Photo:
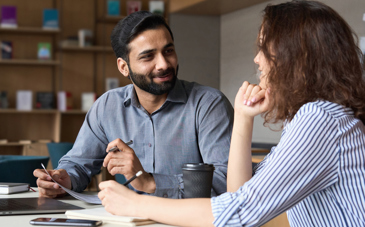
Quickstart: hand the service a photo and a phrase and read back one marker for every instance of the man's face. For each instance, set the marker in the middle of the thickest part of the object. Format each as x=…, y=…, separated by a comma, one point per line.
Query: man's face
x=153, y=61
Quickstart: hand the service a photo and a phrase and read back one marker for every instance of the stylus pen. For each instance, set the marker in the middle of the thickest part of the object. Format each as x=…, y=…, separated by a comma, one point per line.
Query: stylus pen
x=134, y=177
x=117, y=149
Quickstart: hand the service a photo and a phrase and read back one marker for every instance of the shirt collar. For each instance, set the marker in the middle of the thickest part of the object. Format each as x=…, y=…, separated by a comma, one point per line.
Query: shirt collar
x=177, y=94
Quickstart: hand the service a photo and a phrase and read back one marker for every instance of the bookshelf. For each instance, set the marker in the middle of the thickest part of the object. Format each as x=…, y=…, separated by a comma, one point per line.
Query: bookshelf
x=72, y=68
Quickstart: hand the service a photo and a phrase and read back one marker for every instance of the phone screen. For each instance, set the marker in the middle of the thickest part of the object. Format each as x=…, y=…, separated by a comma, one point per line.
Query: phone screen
x=64, y=222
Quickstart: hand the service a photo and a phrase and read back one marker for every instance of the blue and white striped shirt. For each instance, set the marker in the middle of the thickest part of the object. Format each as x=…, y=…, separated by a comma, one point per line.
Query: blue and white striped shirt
x=316, y=173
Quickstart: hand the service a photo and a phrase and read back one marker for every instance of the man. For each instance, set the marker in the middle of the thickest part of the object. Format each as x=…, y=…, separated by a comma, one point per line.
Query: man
x=171, y=122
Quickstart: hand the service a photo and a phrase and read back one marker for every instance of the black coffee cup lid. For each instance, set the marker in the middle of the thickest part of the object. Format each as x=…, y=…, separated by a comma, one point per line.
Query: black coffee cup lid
x=198, y=166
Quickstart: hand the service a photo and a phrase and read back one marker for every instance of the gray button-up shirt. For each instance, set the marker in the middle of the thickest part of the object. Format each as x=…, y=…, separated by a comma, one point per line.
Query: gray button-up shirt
x=193, y=125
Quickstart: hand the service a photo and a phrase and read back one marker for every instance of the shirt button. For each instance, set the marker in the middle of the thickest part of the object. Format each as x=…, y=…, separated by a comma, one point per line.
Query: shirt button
x=165, y=195
x=150, y=145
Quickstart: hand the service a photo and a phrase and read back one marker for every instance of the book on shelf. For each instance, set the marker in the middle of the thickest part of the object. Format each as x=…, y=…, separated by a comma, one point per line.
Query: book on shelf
x=3, y=141
x=25, y=141
x=71, y=41
x=44, y=100
x=6, y=50
x=85, y=37
x=133, y=6
x=4, y=104
x=113, y=8
x=50, y=19
x=44, y=141
x=64, y=101
x=101, y=214
x=111, y=83
x=24, y=100
x=8, y=17
x=87, y=100
x=44, y=51
x=9, y=188
x=157, y=7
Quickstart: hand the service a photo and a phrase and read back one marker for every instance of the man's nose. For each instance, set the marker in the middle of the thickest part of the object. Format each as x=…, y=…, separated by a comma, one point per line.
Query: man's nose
x=161, y=63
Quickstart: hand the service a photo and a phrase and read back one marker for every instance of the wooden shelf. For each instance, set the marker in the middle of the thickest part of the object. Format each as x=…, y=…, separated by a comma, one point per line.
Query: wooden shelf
x=31, y=30
x=12, y=144
x=73, y=112
x=36, y=111
x=210, y=7
x=110, y=19
x=88, y=48
x=40, y=111
x=29, y=62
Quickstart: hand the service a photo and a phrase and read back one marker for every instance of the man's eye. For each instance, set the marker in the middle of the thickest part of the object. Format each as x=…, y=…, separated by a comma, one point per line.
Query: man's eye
x=146, y=56
x=169, y=51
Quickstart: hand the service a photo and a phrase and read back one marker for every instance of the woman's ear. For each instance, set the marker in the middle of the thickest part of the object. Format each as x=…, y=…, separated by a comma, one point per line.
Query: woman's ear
x=123, y=67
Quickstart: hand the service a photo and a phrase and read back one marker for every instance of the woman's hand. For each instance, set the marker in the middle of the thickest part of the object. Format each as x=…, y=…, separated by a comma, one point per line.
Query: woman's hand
x=118, y=199
x=251, y=100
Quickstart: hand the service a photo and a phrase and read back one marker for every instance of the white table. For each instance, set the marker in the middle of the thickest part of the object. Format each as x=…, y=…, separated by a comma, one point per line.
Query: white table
x=23, y=220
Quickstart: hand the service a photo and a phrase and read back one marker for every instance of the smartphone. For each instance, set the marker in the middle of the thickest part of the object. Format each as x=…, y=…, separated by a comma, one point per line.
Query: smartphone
x=64, y=222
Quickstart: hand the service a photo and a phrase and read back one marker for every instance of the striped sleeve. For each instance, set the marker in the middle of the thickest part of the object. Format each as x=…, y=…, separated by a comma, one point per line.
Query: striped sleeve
x=305, y=161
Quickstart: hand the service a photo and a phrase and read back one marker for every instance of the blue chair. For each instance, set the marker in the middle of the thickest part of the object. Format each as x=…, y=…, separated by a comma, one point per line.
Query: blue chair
x=120, y=178
x=19, y=169
x=57, y=151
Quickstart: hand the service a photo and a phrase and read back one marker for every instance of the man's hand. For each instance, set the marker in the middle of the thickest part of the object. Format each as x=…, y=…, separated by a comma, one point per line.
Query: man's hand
x=47, y=188
x=127, y=163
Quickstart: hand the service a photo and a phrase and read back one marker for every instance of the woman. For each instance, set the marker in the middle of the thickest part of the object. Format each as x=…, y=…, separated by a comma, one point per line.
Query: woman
x=311, y=79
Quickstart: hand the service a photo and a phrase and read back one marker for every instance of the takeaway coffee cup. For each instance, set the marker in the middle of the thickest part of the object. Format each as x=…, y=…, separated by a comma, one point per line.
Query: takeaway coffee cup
x=197, y=180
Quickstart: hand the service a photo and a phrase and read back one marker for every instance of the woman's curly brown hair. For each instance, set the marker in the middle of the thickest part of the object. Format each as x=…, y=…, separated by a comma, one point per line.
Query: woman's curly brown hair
x=313, y=56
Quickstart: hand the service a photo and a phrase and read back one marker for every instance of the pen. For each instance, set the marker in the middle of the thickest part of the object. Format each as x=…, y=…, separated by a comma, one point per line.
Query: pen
x=134, y=177
x=117, y=149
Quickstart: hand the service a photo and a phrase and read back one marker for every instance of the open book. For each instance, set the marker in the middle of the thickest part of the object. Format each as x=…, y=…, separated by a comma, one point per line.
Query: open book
x=101, y=214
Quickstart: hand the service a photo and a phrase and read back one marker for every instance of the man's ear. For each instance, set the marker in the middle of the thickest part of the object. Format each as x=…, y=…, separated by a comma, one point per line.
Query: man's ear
x=123, y=67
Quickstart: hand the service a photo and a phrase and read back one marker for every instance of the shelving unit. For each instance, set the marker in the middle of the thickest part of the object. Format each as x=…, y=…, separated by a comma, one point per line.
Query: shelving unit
x=72, y=68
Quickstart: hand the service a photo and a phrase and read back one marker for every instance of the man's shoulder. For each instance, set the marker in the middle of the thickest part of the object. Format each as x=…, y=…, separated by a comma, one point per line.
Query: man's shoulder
x=120, y=93
x=196, y=89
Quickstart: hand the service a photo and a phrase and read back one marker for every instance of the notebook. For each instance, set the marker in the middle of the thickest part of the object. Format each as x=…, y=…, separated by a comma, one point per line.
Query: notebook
x=101, y=214
x=9, y=188
x=10, y=206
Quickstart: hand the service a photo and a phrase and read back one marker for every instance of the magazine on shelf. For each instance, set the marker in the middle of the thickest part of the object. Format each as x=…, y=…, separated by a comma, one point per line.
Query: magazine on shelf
x=6, y=50
x=157, y=7
x=44, y=51
x=50, y=19
x=24, y=100
x=133, y=6
x=8, y=17
x=44, y=100
x=64, y=100
x=113, y=8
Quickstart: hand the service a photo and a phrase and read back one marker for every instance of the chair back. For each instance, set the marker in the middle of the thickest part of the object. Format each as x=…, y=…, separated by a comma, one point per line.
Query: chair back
x=57, y=151
x=120, y=178
x=19, y=168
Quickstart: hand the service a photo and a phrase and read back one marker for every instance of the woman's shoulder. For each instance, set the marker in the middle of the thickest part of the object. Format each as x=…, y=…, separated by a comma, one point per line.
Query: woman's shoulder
x=322, y=108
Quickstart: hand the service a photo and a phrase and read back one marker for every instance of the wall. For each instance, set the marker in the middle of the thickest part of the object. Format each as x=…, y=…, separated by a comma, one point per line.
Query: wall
x=238, y=33
x=197, y=42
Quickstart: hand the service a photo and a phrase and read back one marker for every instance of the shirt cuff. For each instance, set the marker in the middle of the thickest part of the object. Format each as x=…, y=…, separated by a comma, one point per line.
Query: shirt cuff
x=168, y=186
x=224, y=208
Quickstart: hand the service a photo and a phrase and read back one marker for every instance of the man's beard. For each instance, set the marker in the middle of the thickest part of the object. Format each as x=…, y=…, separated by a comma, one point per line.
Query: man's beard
x=142, y=82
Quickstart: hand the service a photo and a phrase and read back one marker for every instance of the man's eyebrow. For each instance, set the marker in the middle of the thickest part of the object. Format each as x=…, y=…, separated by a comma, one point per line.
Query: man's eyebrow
x=168, y=45
x=147, y=52
x=153, y=50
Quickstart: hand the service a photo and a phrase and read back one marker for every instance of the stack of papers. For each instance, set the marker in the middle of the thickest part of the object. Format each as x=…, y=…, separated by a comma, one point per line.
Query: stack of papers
x=8, y=188
x=101, y=214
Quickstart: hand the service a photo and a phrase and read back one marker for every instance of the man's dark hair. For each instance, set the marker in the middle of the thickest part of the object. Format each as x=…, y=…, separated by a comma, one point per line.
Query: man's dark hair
x=130, y=27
